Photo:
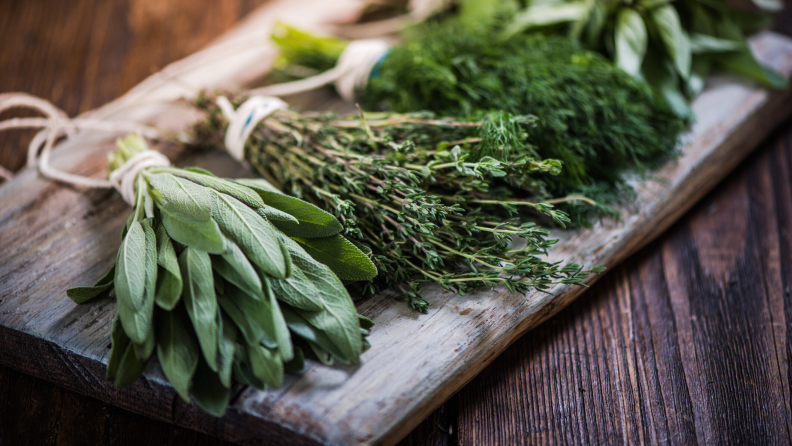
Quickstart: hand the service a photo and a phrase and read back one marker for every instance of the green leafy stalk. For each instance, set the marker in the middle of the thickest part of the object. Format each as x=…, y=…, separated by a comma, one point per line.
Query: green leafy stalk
x=204, y=278
x=433, y=200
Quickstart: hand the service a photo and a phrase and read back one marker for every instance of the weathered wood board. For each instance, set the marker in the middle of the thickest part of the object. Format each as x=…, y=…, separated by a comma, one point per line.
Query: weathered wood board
x=53, y=237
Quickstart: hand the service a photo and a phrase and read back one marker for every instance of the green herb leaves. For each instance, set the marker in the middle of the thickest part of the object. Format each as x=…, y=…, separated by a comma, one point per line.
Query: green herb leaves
x=194, y=283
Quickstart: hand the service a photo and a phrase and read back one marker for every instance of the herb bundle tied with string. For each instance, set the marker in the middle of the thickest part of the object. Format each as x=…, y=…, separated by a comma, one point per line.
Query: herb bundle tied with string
x=417, y=193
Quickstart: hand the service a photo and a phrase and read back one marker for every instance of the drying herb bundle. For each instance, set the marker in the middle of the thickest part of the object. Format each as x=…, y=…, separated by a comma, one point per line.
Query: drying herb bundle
x=593, y=117
x=226, y=281
x=672, y=45
x=417, y=193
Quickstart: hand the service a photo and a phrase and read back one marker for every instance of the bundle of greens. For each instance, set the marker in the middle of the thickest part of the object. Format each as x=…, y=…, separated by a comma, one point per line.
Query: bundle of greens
x=596, y=119
x=227, y=281
x=672, y=45
x=417, y=193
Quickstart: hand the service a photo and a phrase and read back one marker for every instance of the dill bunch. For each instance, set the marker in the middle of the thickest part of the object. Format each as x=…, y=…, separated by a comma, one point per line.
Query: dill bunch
x=409, y=193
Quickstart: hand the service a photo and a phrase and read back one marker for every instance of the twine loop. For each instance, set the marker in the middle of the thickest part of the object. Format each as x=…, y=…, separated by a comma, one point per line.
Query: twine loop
x=57, y=124
x=243, y=120
x=351, y=73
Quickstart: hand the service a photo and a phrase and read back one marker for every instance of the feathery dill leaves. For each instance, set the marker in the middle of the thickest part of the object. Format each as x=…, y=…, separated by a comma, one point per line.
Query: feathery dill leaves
x=409, y=187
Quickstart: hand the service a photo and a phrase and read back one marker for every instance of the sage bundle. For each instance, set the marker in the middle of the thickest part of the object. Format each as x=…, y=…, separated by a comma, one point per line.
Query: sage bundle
x=599, y=121
x=415, y=191
x=224, y=280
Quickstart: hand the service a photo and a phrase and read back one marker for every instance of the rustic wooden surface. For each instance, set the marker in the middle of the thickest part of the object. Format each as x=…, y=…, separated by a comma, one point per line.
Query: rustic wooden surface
x=598, y=353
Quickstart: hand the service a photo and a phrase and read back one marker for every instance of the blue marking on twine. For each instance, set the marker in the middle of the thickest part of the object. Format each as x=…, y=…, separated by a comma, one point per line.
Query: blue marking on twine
x=375, y=70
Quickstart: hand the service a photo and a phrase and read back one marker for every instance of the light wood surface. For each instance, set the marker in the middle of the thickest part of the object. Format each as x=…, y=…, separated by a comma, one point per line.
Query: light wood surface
x=55, y=237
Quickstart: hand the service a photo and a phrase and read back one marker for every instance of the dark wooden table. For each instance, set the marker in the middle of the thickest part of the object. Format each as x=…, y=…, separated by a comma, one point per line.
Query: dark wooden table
x=689, y=341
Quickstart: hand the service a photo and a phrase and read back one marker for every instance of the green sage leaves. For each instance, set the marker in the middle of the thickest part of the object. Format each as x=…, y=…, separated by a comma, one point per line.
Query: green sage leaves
x=203, y=280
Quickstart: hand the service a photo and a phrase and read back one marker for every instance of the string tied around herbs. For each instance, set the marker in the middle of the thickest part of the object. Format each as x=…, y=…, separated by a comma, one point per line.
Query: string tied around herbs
x=351, y=73
x=244, y=119
x=57, y=124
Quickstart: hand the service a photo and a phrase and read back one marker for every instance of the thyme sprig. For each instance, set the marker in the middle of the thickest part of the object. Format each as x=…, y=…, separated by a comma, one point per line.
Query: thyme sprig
x=420, y=193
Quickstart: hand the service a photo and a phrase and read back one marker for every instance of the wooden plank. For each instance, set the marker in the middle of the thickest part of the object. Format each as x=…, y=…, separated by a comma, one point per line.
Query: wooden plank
x=417, y=361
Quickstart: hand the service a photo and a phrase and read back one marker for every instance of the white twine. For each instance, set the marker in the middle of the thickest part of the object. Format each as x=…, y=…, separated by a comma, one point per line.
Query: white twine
x=58, y=124
x=123, y=178
x=350, y=74
x=243, y=120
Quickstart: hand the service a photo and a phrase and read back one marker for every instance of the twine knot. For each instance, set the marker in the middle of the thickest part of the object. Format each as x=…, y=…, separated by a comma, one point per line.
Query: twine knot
x=124, y=178
x=243, y=120
x=351, y=73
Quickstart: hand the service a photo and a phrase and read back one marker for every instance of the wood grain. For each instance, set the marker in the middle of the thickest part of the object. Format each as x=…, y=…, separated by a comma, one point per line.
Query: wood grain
x=79, y=357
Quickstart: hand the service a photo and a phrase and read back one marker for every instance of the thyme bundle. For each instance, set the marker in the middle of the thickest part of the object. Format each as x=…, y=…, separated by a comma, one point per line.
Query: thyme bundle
x=226, y=281
x=417, y=193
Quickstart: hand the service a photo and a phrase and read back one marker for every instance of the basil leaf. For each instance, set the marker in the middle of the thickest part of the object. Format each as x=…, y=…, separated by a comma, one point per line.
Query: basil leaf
x=183, y=196
x=282, y=335
x=266, y=365
x=253, y=317
x=169, y=281
x=702, y=44
x=743, y=62
x=225, y=347
x=698, y=73
x=204, y=235
x=177, y=350
x=313, y=222
x=674, y=38
x=208, y=391
x=254, y=235
x=341, y=256
x=82, y=294
x=199, y=298
x=234, y=267
x=227, y=187
x=631, y=41
x=544, y=15
x=662, y=78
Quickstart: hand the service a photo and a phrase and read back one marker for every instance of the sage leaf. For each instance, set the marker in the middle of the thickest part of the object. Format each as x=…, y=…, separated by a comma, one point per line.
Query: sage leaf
x=129, y=369
x=312, y=221
x=743, y=62
x=227, y=187
x=208, y=391
x=199, y=170
x=266, y=365
x=118, y=344
x=169, y=281
x=177, y=350
x=342, y=257
x=282, y=335
x=273, y=214
x=243, y=372
x=674, y=38
x=82, y=294
x=138, y=274
x=324, y=356
x=183, y=196
x=234, y=267
x=225, y=347
x=199, y=298
x=297, y=363
x=253, y=233
x=204, y=235
x=253, y=317
x=631, y=41
x=130, y=271
x=365, y=322
x=145, y=315
x=338, y=318
x=304, y=329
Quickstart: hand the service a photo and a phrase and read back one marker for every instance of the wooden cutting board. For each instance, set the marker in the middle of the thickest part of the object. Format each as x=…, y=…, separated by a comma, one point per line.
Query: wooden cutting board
x=53, y=237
